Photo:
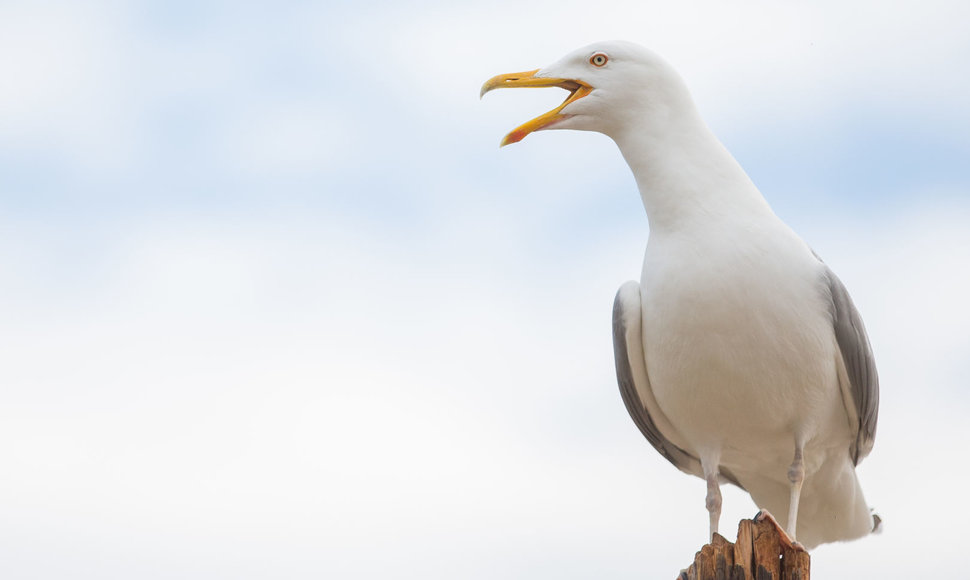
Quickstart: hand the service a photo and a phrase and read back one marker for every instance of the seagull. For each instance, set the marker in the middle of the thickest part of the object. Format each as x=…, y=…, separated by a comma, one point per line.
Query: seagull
x=739, y=354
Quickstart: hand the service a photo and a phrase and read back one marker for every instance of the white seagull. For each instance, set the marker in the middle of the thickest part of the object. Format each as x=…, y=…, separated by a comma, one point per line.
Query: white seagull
x=740, y=356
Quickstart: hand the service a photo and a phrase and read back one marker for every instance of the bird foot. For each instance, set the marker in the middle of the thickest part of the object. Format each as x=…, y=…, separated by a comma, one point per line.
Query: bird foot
x=783, y=537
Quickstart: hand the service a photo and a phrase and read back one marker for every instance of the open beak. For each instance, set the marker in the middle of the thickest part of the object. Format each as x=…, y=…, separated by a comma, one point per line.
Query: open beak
x=577, y=90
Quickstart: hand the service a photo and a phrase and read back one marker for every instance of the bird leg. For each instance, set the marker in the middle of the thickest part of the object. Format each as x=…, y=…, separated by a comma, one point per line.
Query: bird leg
x=713, y=500
x=796, y=475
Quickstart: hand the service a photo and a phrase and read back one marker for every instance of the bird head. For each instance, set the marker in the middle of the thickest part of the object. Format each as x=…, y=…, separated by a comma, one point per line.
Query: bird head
x=612, y=86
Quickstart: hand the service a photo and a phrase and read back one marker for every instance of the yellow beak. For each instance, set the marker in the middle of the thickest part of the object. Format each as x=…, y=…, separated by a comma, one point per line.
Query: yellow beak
x=577, y=90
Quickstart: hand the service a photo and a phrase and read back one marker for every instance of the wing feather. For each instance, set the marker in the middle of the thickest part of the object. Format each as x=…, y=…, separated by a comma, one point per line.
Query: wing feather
x=632, y=378
x=860, y=365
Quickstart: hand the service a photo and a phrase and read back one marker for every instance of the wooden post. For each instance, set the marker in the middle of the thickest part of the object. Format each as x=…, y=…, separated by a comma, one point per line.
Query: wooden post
x=762, y=552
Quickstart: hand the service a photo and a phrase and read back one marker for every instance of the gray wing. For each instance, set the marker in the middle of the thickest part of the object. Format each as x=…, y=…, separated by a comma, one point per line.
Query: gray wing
x=631, y=368
x=860, y=366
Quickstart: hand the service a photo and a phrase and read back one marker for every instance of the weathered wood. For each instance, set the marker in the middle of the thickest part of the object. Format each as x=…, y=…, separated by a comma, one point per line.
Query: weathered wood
x=723, y=557
x=795, y=564
x=743, y=550
x=704, y=562
x=761, y=552
x=767, y=551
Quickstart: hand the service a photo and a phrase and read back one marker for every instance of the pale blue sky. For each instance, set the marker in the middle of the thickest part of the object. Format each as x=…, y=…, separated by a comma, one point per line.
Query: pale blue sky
x=274, y=304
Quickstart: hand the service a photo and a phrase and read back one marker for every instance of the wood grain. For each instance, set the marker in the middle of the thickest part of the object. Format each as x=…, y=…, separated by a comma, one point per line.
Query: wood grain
x=761, y=552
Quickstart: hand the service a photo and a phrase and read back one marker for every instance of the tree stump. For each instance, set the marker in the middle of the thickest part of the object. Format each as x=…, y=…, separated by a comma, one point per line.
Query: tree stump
x=762, y=552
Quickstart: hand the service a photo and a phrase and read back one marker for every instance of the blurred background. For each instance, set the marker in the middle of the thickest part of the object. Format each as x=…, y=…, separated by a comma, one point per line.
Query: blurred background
x=273, y=304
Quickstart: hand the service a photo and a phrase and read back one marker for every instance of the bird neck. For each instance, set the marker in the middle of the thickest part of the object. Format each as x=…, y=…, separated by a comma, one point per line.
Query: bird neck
x=686, y=177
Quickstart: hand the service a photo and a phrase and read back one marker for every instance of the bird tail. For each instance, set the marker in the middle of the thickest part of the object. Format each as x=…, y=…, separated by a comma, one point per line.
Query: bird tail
x=832, y=507
x=876, y=523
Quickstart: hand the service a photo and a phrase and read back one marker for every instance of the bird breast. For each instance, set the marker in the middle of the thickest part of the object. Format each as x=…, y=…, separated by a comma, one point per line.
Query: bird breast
x=732, y=362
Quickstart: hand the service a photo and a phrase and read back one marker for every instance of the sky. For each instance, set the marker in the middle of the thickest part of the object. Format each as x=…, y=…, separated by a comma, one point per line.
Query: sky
x=274, y=304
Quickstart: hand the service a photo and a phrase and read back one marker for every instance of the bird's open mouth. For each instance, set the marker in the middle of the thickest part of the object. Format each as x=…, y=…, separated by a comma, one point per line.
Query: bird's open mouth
x=577, y=90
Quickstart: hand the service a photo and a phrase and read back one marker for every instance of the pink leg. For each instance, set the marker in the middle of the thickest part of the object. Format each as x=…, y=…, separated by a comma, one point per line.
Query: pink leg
x=796, y=475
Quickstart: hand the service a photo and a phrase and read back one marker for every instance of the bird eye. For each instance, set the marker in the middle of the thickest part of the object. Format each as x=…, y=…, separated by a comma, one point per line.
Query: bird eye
x=598, y=59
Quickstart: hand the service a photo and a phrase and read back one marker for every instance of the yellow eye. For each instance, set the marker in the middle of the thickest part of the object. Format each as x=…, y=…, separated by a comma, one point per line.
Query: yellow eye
x=598, y=59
